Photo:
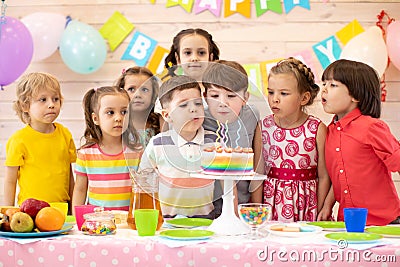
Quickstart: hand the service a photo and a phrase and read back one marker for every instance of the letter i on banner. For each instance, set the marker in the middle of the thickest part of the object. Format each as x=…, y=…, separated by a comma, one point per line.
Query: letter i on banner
x=139, y=49
x=254, y=73
x=327, y=51
x=238, y=6
x=156, y=63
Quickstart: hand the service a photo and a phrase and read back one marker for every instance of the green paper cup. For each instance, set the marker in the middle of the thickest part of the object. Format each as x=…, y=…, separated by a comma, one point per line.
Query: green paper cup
x=146, y=221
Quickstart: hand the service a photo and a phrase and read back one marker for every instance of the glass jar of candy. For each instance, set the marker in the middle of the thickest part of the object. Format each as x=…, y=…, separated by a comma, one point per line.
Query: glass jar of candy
x=99, y=223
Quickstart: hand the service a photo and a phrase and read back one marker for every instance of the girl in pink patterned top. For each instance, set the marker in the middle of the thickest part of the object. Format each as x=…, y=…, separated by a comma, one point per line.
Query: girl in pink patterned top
x=292, y=149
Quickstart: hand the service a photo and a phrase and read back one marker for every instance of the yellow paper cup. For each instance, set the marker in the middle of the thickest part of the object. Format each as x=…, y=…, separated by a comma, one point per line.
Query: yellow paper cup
x=62, y=206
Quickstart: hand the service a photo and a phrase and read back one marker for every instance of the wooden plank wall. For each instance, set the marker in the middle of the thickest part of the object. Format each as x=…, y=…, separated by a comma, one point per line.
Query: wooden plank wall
x=246, y=40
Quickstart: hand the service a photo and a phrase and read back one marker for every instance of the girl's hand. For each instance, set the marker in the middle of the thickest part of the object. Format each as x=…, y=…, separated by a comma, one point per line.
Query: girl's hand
x=325, y=214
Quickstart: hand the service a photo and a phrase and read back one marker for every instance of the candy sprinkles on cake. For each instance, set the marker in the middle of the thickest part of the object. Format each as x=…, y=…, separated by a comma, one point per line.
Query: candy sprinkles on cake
x=219, y=159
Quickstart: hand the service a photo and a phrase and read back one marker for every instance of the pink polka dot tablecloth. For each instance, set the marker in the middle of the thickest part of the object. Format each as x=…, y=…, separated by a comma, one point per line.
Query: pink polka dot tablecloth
x=127, y=249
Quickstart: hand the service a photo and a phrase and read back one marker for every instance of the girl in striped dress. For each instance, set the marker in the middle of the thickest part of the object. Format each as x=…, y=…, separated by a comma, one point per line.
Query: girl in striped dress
x=103, y=162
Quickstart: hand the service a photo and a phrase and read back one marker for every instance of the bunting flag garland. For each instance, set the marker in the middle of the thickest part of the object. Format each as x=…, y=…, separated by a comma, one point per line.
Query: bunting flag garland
x=242, y=7
x=156, y=64
x=306, y=57
x=327, y=51
x=349, y=31
x=116, y=29
x=214, y=6
x=185, y=4
x=144, y=50
x=290, y=4
x=265, y=67
x=237, y=6
x=140, y=49
x=254, y=73
x=263, y=6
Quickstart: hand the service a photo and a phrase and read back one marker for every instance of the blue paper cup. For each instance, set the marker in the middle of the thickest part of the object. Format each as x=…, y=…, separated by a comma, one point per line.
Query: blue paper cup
x=355, y=219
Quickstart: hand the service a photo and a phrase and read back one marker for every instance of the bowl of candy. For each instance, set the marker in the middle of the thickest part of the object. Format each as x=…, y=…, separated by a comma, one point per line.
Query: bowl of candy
x=254, y=215
x=99, y=223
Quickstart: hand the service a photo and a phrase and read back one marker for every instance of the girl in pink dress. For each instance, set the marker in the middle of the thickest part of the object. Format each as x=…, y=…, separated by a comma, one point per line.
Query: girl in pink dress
x=292, y=147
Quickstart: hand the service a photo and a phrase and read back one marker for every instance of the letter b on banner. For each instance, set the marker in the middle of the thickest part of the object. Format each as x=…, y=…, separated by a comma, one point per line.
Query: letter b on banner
x=139, y=49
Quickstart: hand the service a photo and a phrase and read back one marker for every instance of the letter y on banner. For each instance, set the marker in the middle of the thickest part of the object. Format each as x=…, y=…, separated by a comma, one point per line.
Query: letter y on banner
x=139, y=49
x=327, y=51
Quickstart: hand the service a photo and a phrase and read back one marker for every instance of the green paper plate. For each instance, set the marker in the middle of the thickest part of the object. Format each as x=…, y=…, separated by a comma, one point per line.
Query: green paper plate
x=186, y=234
x=189, y=222
x=354, y=237
x=386, y=231
x=329, y=225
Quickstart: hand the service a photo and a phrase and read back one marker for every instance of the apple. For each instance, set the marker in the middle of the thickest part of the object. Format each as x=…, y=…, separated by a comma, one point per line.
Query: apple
x=32, y=206
x=9, y=212
x=21, y=222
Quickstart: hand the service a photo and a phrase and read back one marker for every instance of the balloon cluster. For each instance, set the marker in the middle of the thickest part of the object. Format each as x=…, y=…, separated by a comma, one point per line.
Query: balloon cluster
x=38, y=35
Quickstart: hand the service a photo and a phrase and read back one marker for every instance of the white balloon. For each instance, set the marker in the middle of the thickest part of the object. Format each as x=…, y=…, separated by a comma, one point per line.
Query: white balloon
x=368, y=47
x=46, y=30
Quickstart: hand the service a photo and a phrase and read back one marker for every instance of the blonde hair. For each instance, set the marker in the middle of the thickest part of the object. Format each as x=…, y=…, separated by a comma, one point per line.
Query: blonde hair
x=302, y=73
x=29, y=86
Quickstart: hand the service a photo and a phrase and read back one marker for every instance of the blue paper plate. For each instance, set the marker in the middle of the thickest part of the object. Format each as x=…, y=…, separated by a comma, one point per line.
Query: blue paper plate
x=66, y=227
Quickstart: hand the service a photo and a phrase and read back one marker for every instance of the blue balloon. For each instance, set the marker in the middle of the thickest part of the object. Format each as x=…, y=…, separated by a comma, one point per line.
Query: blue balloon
x=82, y=48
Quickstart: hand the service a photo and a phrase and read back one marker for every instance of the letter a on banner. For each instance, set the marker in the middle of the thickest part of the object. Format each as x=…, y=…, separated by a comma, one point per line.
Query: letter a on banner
x=139, y=49
x=327, y=51
x=290, y=4
x=214, y=6
x=237, y=6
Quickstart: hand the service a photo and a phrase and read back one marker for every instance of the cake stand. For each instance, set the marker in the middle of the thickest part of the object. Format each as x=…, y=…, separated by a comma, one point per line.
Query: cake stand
x=228, y=223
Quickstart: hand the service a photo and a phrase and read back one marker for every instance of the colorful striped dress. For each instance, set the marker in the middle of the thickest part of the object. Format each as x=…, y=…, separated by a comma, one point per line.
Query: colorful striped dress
x=109, y=184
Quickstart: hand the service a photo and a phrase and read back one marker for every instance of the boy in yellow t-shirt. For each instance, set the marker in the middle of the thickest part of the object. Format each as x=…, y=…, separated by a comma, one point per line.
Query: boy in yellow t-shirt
x=39, y=156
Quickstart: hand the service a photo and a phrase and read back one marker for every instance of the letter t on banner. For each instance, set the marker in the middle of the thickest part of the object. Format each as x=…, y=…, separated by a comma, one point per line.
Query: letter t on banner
x=139, y=49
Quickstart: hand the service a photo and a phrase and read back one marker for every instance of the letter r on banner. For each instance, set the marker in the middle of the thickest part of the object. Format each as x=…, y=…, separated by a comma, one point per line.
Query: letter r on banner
x=139, y=49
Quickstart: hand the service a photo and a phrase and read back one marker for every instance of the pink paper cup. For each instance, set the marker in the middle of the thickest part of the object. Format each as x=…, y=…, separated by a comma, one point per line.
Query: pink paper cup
x=81, y=210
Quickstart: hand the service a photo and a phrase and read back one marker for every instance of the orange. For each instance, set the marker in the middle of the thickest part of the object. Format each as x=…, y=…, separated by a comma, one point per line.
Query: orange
x=49, y=219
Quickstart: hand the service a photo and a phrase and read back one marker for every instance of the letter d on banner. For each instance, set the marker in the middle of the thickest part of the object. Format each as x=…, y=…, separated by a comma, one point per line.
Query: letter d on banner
x=139, y=49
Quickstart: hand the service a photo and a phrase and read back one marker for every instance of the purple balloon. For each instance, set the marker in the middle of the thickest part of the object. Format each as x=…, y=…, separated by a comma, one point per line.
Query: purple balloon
x=16, y=50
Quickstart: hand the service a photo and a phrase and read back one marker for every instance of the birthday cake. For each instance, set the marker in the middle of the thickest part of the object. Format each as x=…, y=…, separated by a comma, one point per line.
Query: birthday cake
x=227, y=161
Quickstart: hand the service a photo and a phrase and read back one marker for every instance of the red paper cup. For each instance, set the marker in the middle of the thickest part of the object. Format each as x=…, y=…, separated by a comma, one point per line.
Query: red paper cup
x=81, y=210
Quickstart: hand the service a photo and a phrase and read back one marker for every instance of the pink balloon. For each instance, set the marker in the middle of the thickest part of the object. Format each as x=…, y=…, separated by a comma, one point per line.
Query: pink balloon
x=393, y=43
x=16, y=50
